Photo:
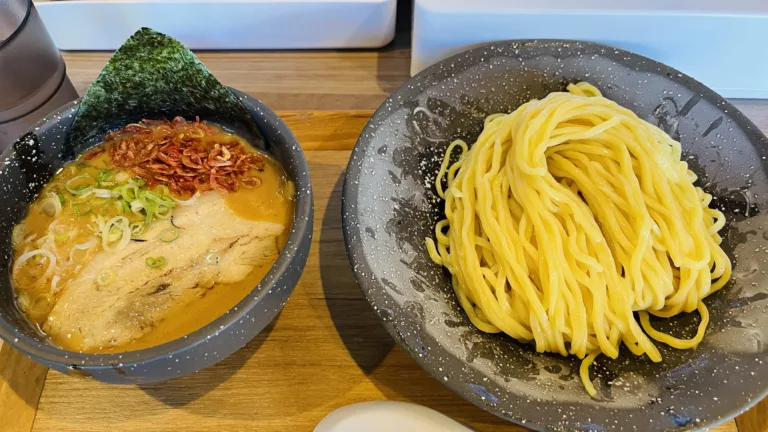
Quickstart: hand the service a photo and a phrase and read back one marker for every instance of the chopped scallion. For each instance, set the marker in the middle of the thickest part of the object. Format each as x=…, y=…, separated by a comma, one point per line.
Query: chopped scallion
x=169, y=235
x=77, y=187
x=163, y=212
x=156, y=262
x=137, y=228
x=163, y=190
x=82, y=209
x=102, y=176
x=105, y=277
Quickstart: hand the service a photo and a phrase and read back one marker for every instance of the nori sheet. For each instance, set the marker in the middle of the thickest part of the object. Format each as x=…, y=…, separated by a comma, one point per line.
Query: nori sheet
x=150, y=76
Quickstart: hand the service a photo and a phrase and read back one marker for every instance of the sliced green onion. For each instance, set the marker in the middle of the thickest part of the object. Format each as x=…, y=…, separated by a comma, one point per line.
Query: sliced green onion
x=139, y=181
x=122, y=177
x=129, y=192
x=17, y=235
x=137, y=228
x=151, y=196
x=60, y=233
x=163, y=212
x=136, y=207
x=51, y=206
x=79, y=189
x=156, y=262
x=103, y=176
x=98, y=202
x=82, y=209
x=115, y=233
x=103, y=193
x=169, y=235
x=121, y=223
x=105, y=277
x=62, y=197
x=33, y=254
x=150, y=209
x=163, y=190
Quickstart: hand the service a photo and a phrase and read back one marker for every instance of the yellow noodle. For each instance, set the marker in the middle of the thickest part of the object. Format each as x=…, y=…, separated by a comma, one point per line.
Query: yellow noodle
x=569, y=215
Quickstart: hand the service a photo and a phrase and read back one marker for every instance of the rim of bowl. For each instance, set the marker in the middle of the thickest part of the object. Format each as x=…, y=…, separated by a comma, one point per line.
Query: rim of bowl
x=351, y=223
x=129, y=359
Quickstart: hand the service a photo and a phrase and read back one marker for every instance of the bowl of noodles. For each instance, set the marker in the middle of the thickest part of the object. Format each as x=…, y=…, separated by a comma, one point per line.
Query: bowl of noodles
x=569, y=236
x=153, y=227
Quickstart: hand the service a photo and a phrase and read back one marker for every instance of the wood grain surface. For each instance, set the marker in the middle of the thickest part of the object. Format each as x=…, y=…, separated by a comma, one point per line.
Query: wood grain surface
x=21, y=382
x=326, y=349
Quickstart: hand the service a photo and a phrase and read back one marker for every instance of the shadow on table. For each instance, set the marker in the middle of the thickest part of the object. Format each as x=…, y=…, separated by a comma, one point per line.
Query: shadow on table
x=181, y=391
x=396, y=375
x=358, y=326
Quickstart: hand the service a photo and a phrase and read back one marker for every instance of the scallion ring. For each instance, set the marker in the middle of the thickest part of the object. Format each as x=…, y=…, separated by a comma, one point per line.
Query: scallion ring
x=61, y=233
x=150, y=209
x=155, y=262
x=82, y=209
x=17, y=235
x=151, y=196
x=105, y=277
x=163, y=212
x=137, y=207
x=163, y=190
x=103, y=176
x=121, y=223
x=51, y=206
x=169, y=235
x=122, y=177
x=129, y=192
x=79, y=189
x=137, y=228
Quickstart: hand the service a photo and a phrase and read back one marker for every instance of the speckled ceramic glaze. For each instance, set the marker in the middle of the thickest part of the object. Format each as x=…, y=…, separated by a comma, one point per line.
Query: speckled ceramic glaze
x=25, y=170
x=390, y=207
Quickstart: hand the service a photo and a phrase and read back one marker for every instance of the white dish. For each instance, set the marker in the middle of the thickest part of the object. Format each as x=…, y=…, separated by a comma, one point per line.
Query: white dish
x=384, y=416
x=227, y=24
x=719, y=43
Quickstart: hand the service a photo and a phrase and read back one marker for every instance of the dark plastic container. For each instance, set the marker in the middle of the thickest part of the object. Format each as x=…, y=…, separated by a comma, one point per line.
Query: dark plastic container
x=33, y=79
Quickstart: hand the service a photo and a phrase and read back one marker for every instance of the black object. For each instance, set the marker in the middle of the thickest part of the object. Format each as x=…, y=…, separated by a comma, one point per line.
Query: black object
x=390, y=206
x=28, y=166
x=33, y=80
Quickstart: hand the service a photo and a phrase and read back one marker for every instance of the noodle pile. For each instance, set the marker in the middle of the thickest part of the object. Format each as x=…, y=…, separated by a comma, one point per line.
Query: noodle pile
x=569, y=215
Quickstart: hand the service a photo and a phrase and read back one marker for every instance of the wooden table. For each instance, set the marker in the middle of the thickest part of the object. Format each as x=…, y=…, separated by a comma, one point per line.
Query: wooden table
x=327, y=348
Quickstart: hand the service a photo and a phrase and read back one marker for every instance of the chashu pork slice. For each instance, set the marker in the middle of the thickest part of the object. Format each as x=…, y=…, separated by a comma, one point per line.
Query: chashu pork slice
x=214, y=246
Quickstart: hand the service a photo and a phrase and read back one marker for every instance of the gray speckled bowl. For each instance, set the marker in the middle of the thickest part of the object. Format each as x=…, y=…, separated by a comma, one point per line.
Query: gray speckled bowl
x=390, y=207
x=23, y=172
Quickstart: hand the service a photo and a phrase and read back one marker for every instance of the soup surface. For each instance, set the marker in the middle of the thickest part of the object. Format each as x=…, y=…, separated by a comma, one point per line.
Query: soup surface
x=150, y=236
